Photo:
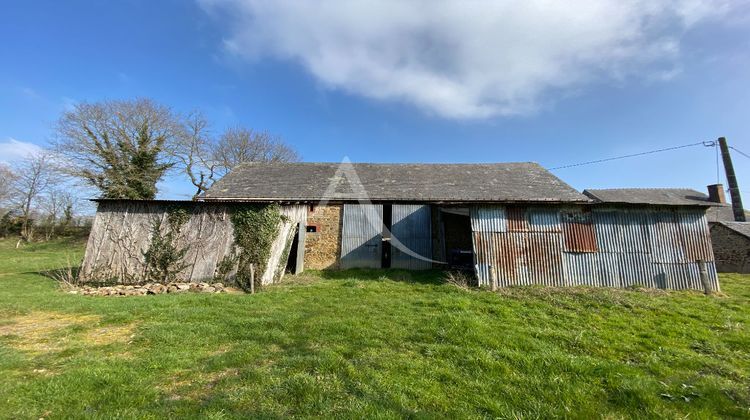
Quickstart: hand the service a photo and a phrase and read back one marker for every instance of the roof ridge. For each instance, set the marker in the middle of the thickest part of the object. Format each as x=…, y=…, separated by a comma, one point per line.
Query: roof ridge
x=645, y=188
x=391, y=163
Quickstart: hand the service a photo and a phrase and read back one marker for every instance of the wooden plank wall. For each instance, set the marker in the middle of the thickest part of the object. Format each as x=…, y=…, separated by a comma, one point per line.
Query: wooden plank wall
x=121, y=234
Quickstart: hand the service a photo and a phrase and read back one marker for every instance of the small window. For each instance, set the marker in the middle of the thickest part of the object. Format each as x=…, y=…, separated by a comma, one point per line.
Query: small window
x=578, y=232
x=311, y=228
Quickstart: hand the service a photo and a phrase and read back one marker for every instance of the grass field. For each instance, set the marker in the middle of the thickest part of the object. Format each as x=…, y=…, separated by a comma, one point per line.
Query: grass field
x=368, y=343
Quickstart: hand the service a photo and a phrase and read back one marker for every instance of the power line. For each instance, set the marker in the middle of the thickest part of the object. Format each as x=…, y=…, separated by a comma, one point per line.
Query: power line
x=740, y=152
x=704, y=143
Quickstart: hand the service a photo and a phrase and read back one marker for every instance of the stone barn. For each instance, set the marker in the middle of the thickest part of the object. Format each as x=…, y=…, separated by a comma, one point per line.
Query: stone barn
x=731, y=242
x=510, y=223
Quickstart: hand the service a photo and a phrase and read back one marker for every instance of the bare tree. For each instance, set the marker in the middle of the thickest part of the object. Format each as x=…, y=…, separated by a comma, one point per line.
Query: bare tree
x=57, y=205
x=238, y=145
x=35, y=176
x=6, y=184
x=194, y=151
x=205, y=159
x=118, y=147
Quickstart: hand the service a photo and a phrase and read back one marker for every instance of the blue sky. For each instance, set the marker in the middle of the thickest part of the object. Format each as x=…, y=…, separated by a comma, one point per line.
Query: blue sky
x=401, y=82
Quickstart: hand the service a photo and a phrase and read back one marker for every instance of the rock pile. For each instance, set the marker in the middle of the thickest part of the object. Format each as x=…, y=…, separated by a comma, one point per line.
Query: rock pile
x=149, y=289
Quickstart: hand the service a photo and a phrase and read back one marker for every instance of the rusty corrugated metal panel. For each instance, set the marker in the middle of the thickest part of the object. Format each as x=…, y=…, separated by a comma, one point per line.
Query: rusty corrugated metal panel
x=696, y=236
x=516, y=219
x=411, y=227
x=494, y=249
x=578, y=232
x=488, y=219
x=519, y=258
x=630, y=247
x=361, y=235
x=544, y=258
x=482, y=258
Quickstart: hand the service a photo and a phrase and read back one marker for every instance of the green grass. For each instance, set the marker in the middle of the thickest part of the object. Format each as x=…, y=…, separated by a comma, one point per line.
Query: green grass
x=368, y=343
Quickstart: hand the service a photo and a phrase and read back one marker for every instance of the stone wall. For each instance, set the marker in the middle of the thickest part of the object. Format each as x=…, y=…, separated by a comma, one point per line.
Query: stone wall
x=731, y=250
x=323, y=247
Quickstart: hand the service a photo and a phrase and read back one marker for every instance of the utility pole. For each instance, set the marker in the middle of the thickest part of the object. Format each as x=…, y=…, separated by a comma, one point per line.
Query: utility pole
x=734, y=189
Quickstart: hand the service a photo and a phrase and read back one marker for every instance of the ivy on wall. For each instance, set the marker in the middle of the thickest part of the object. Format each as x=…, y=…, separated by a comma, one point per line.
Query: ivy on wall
x=256, y=226
x=164, y=258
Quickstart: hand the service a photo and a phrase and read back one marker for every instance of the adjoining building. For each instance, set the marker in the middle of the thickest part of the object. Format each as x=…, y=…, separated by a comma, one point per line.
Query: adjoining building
x=512, y=223
x=731, y=242
x=730, y=239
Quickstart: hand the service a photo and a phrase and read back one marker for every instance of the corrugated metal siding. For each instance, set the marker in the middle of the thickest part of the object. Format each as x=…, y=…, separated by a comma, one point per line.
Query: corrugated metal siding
x=361, y=236
x=666, y=238
x=519, y=258
x=578, y=232
x=695, y=236
x=544, y=220
x=581, y=269
x=411, y=227
x=631, y=247
x=488, y=219
x=517, y=219
x=622, y=231
x=636, y=269
x=609, y=269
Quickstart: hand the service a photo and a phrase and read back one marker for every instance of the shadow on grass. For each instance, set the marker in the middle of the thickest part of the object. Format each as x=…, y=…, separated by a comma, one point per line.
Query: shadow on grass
x=423, y=277
x=67, y=274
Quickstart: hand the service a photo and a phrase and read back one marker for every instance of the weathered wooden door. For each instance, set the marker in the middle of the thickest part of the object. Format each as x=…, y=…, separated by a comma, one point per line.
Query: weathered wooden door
x=411, y=243
x=362, y=236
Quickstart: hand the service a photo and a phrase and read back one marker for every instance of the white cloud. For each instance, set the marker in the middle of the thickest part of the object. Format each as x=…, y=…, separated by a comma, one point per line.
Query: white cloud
x=462, y=59
x=13, y=150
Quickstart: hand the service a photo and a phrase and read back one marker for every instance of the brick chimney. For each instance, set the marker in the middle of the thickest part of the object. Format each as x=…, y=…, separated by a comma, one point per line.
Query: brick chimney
x=716, y=193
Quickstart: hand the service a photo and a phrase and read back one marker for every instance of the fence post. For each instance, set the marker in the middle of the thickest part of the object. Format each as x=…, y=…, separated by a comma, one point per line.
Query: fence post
x=703, y=269
x=493, y=282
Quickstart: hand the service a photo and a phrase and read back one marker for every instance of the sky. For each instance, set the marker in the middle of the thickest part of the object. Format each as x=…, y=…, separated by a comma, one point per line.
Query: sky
x=393, y=81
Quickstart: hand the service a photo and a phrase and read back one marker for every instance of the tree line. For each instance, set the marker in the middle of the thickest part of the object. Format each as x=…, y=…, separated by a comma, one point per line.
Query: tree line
x=122, y=149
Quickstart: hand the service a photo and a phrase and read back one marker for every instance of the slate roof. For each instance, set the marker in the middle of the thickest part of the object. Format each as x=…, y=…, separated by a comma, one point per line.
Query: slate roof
x=652, y=196
x=723, y=214
x=491, y=182
x=743, y=228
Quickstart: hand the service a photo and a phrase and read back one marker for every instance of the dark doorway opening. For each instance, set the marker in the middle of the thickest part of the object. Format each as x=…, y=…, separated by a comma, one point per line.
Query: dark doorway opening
x=385, y=260
x=291, y=262
x=457, y=230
